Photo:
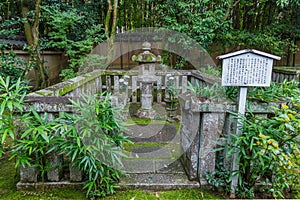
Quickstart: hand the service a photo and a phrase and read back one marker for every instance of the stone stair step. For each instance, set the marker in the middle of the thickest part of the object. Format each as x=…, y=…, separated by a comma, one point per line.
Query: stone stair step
x=157, y=181
x=146, y=166
x=152, y=133
x=151, y=152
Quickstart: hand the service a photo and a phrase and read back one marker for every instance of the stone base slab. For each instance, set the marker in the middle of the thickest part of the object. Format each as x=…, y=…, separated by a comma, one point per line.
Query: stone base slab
x=157, y=182
x=50, y=185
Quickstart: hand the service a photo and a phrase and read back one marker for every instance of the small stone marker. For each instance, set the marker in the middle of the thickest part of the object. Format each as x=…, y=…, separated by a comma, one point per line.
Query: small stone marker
x=245, y=68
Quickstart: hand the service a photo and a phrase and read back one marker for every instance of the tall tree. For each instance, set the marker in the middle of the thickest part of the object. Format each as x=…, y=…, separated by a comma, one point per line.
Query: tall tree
x=32, y=37
x=110, y=26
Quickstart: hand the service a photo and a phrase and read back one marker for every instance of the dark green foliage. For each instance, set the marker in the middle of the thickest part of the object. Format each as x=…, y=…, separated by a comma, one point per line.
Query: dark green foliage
x=11, y=100
x=74, y=30
x=11, y=66
x=220, y=178
x=268, y=151
x=90, y=138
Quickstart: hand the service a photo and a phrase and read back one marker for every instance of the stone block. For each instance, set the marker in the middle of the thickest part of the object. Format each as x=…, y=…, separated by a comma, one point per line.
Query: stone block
x=55, y=171
x=28, y=174
x=209, y=134
x=75, y=174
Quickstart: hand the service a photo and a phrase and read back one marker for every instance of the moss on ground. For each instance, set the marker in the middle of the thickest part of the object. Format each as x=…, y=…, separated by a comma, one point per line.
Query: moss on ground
x=135, y=120
x=184, y=194
x=129, y=146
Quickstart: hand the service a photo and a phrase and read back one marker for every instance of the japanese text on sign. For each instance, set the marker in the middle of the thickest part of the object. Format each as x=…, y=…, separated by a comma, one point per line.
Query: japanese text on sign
x=247, y=70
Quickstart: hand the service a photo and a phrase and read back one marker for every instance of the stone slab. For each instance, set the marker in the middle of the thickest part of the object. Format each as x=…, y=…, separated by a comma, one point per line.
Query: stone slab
x=50, y=185
x=157, y=182
x=152, y=132
x=55, y=172
x=169, y=166
x=28, y=174
x=75, y=174
x=138, y=166
x=150, y=152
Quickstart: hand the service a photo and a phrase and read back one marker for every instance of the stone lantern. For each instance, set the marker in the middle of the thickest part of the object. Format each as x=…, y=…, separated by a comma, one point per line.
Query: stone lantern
x=147, y=61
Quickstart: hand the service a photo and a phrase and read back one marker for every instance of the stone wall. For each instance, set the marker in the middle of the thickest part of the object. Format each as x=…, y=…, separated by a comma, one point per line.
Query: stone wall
x=53, y=60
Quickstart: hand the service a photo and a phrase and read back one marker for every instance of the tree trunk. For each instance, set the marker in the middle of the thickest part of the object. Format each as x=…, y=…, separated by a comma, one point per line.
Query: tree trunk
x=110, y=27
x=32, y=37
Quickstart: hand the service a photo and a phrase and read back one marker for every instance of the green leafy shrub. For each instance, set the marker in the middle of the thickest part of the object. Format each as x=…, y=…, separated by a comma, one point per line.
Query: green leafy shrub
x=276, y=92
x=92, y=139
x=214, y=93
x=12, y=66
x=12, y=95
x=35, y=137
x=66, y=32
x=268, y=150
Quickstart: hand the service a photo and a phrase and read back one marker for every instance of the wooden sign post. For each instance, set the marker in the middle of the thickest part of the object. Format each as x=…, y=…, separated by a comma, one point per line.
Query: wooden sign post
x=245, y=68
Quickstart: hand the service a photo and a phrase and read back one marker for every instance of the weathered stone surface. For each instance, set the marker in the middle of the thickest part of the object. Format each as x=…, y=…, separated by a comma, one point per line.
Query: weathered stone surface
x=55, y=171
x=157, y=182
x=229, y=127
x=210, y=131
x=166, y=167
x=28, y=174
x=202, y=125
x=139, y=166
x=153, y=133
x=151, y=152
x=49, y=185
x=75, y=174
x=189, y=137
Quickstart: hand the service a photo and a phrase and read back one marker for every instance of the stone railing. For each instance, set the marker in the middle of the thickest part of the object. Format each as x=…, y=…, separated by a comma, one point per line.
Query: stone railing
x=280, y=74
x=202, y=125
x=117, y=80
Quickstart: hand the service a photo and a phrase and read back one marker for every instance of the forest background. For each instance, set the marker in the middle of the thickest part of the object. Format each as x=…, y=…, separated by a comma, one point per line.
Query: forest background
x=76, y=26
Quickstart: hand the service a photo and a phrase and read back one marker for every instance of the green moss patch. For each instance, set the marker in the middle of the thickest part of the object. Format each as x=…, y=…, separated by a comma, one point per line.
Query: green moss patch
x=129, y=146
x=183, y=194
x=135, y=120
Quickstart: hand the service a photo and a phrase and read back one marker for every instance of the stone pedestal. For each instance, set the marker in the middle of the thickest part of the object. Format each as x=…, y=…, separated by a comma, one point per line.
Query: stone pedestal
x=146, y=111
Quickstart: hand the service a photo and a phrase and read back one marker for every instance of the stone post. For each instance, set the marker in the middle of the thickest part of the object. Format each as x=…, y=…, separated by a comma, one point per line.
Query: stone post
x=55, y=171
x=55, y=161
x=209, y=132
x=189, y=137
x=202, y=125
x=147, y=97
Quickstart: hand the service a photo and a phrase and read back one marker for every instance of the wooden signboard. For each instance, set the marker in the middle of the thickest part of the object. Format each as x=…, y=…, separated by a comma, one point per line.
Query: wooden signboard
x=245, y=68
